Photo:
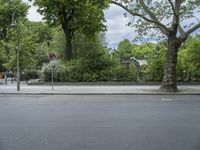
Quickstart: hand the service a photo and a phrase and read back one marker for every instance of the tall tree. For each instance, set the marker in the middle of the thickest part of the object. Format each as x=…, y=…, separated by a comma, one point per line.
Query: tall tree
x=176, y=19
x=189, y=57
x=72, y=15
x=34, y=48
x=7, y=9
x=124, y=49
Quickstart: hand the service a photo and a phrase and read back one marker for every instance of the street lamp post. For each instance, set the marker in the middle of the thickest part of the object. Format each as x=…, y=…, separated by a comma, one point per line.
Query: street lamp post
x=15, y=24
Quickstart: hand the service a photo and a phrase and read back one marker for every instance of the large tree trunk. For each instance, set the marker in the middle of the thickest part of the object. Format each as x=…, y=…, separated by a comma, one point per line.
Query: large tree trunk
x=68, y=47
x=169, y=79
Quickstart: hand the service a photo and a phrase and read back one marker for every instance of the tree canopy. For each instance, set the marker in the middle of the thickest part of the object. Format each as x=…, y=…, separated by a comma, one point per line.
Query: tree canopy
x=72, y=15
x=8, y=8
x=165, y=16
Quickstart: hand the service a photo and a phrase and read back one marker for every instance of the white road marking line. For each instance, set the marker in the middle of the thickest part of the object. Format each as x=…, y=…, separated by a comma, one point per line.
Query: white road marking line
x=166, y=99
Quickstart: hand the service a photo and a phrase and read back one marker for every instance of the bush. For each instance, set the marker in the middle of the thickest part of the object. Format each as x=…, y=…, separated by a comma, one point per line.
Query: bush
x=59, y=71
x=30, y=74
x=121, y=73
x=88, y=71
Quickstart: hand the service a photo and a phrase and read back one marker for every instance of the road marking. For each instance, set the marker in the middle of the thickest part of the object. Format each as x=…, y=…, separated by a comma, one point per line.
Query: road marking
x=166, y=99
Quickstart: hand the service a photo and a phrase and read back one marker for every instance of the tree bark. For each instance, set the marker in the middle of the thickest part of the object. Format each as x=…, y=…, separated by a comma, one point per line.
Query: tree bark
x=169, y=79
x=68, y=47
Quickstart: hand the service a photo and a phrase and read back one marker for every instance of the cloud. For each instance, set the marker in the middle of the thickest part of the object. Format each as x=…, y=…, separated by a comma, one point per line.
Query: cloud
x=33, y=15
x=117, y=28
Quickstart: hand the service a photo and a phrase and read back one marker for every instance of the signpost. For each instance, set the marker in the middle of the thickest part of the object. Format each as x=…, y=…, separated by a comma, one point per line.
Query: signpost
x=52, y=58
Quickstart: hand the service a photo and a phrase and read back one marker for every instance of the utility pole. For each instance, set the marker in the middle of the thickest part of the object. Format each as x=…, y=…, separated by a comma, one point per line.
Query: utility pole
x=15, y=24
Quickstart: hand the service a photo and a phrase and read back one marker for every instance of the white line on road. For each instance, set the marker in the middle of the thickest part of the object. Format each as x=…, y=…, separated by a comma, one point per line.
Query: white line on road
x=166, y=99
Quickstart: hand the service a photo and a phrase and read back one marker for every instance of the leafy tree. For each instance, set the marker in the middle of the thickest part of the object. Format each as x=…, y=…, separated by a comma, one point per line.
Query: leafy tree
x=85, y=16
x=124, y=48
x=26, y=48
x=92, y=62
x=7, y=9
x=151, y=52
x=169, y=18
x=155, y=57
x=34, y=47
x=40, y=36
x=2, y=57
x=40, y=32
x=188, y=61
x=58, y=44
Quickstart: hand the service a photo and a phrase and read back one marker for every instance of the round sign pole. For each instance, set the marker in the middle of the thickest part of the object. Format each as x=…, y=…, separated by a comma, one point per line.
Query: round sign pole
x=52, y=58
x=52, y=78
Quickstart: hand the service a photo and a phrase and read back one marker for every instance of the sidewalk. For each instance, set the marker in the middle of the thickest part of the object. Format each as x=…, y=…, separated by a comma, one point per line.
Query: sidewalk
x=96, y=90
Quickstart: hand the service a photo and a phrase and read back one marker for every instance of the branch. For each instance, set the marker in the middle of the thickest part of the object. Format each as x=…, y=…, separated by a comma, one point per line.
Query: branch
x=176, y=18
x=163, y=17
x=182, y=32
x=148, y=11
x=150, y=27
x=162, y=27
x=173, y=8
x=197, y=18
x=193, y=29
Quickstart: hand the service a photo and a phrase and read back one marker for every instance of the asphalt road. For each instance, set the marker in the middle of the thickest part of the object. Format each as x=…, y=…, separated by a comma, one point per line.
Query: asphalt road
x=100, y=122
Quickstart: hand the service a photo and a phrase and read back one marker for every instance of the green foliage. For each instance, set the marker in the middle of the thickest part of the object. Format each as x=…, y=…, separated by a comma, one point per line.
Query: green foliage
x=29, y=74
x=157, y=18
x=154, y=70
x=150, y=52
x=92, y=62
x=58, y=69
x=2, y=57
x=58, y=44
x=40, y=32
x=122, y=73
x=124, y=48
x=95, y=63
x=26, y=47
x=33, y=47
x=85, y=16
x=188, y=62
x=7, y=9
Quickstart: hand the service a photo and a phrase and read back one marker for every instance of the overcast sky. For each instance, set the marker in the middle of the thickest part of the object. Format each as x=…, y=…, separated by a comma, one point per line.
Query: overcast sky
x=116, y=24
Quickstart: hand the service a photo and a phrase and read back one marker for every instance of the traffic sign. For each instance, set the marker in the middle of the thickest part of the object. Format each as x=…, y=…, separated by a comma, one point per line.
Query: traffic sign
x=52, y=56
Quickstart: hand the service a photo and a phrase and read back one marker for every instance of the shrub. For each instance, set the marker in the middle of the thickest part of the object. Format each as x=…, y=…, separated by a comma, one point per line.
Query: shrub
x=58, y=68
x=30, y=74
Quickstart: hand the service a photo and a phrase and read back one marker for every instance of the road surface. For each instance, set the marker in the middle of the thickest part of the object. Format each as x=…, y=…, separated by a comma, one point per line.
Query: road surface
x=99, y=122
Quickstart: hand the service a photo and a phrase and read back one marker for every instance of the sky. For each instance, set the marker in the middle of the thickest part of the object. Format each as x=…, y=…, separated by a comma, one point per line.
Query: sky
x=115, y=22
x=117, y=28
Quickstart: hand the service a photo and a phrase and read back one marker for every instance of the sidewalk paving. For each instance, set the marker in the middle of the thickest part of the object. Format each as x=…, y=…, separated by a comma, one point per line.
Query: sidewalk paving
x=96, y=90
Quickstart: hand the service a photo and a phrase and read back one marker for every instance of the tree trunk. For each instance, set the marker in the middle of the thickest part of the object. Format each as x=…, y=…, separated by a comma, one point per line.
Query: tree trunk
x=169, y=79
x=68, y=47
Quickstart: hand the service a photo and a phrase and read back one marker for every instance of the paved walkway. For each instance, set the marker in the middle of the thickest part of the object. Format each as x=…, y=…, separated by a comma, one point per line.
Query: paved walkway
x=94, y=89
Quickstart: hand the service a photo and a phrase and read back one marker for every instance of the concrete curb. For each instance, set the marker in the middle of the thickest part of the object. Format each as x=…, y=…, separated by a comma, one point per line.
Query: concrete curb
x=107, y=83
x=160, y=93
